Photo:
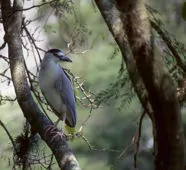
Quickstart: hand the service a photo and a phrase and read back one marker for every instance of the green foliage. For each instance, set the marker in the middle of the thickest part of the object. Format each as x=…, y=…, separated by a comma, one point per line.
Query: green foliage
x=121, y=89
x=184, y=11
x=172, y=51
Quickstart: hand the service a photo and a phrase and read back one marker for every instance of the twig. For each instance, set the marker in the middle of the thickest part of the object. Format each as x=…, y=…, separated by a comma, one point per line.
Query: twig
x=36, y=6
x=6, y=98
x=9, y=135
x=3, y=45
x=3, y=75
x=4, y=58
x=51, y=160
x=122, y=154
x=86, y=120
x=86, y=96
x=31, y=39
x=80, y=86
x=138, y=139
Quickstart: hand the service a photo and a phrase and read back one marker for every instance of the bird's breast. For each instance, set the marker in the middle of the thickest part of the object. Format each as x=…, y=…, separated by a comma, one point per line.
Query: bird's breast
x=47, y=78
x=54, y=99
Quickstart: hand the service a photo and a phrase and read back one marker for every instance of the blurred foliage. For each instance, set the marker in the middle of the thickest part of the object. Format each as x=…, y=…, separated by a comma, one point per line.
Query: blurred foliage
x=78, y=28
x=184, y=11
x=163, y=41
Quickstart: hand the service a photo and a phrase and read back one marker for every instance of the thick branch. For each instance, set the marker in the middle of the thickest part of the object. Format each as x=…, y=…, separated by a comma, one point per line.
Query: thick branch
x=39, y=122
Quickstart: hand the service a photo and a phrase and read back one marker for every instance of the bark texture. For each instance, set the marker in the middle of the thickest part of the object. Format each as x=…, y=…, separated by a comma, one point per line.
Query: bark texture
x=166, y=116
x=12, y=21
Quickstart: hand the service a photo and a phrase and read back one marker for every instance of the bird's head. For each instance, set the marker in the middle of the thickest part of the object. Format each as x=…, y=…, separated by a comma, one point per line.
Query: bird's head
x=57, y=55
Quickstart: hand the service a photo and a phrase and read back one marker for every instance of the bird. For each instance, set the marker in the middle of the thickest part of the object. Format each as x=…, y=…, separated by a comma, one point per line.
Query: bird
x=57, y=88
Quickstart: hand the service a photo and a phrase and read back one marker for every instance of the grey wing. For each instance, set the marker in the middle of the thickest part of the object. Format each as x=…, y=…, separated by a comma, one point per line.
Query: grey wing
x=64, y=88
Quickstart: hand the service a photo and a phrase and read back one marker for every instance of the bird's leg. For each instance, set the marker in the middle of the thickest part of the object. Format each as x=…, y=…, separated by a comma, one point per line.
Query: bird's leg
x=63, y=118
x=63, y=123
x=56, y=123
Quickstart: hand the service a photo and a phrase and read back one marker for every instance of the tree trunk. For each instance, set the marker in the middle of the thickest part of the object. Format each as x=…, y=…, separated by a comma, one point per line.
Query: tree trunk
x=168, y=136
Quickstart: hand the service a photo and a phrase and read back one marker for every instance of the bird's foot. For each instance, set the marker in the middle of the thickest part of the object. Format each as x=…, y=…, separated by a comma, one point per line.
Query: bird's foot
x=74, y=135
x=52, y=129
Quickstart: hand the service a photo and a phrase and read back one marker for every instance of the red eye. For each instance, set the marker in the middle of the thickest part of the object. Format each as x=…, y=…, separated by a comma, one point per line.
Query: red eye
x=56, y=55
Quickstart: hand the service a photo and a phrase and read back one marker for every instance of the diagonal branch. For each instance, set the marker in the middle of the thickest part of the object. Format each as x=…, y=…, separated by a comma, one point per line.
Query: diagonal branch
x=37, y=6
x=138, y=139
x=9, y=135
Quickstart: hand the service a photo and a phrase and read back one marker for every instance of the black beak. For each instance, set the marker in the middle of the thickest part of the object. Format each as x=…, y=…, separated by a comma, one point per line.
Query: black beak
x=64, y=58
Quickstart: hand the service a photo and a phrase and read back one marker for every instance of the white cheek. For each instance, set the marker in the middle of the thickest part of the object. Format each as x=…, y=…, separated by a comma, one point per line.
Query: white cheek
x=60, y=53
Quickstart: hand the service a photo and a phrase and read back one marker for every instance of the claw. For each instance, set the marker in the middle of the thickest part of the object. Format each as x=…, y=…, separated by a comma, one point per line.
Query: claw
x=52, y=129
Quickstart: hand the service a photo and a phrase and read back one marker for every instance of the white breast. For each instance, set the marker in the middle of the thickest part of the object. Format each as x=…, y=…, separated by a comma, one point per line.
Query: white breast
x=47, y=77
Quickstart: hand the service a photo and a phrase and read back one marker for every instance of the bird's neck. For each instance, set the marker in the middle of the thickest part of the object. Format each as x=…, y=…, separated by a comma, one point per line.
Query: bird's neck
x=47, y=60
x=51, y=67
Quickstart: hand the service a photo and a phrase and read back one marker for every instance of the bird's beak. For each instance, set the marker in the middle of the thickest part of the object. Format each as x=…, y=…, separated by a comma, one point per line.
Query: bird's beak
x=64, y=58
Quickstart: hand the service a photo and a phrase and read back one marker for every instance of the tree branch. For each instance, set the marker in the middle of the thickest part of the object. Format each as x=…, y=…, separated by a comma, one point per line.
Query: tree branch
x=3, y=45
x=137, y=141
x=37, y=6
x=9, y=135
x=12, y=26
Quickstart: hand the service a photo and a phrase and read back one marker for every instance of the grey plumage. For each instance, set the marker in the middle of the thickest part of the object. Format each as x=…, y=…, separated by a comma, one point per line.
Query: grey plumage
x=57, y=88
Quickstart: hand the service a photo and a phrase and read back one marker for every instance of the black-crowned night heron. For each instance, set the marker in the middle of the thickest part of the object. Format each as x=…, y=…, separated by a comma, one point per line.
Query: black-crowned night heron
x=57, y=88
